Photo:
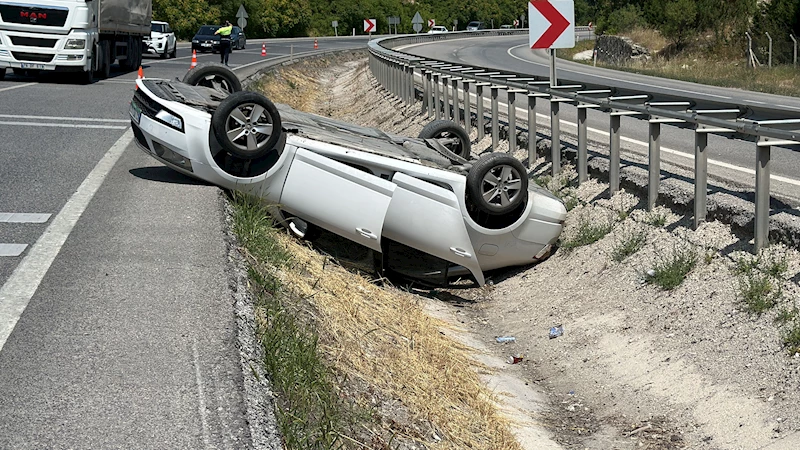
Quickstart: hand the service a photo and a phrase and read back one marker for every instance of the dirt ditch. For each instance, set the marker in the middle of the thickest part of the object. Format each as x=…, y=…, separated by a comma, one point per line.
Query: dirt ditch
x=637, y=365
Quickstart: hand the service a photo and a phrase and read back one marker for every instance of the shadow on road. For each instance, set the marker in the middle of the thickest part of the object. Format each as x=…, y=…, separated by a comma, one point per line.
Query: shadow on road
x=165, y=175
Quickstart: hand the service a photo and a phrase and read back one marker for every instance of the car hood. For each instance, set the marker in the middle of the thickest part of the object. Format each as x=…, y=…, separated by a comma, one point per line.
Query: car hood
x=157, y=35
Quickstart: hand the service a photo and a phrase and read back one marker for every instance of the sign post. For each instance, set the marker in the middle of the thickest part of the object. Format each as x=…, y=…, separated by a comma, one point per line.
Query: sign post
x=552, y=26
x=369, y=26
x=335, y=25
x=416, y=22
x=242, y=15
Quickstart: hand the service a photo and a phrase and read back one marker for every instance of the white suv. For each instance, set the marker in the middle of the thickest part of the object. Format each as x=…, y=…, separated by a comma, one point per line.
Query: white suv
x=161, y=41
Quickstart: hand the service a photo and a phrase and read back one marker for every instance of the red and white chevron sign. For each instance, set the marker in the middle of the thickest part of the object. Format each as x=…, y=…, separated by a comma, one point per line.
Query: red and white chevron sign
x=552, y=23
x=431, y=23
x=369, y=25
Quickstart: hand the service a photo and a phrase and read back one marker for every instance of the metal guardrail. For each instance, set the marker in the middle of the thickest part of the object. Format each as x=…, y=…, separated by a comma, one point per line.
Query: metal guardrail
x=764, y=126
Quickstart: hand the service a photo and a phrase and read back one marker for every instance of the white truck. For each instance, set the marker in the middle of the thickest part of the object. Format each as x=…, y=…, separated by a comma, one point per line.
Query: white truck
x=82, y=37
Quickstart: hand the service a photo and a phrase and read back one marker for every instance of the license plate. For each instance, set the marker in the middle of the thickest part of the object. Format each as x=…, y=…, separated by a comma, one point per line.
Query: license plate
x=31, y=66
x=136, y=113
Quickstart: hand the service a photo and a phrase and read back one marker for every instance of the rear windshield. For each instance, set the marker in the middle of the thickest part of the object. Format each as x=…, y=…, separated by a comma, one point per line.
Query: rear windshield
x=207, y=29
x=158, y=27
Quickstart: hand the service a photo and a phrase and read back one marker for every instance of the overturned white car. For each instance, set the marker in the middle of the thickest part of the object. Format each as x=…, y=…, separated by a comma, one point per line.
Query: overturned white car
x=430, y=212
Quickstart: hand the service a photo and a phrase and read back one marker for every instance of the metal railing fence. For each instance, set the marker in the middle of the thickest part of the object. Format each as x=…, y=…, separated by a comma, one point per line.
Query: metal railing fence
x=443, y=85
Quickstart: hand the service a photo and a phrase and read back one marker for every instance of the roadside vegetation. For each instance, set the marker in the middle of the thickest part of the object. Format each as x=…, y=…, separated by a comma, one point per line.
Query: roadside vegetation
x=355, y=364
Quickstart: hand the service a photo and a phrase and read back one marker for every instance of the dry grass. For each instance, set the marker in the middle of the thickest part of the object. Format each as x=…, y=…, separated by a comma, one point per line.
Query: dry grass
x=649, y=38
x=291, y=86
x=383, y=337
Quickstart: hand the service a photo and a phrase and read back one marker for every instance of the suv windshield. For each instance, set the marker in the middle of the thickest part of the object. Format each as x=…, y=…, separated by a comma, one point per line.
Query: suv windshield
x=207, y=30
x=158, y=28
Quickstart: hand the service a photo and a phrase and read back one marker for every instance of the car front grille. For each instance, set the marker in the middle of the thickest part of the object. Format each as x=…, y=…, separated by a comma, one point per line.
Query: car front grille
x=137, y=133
x=148, y=106
x=35, y=57
x=33, y=42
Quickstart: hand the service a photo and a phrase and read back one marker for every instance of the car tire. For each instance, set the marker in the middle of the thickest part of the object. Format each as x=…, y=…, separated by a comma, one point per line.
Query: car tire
x=260, y=132
x=174, y=53
x=215, y=76
x=497, y=184
x=450, y=134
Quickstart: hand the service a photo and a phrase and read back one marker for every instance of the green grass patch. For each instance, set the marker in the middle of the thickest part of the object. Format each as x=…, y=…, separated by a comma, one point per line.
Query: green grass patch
x=791, y=338
x=786, y=315
x=587, y=232
x=671, y=269
x=309, y=413
x=656, y=218
x=758, y=292
x=629, y=244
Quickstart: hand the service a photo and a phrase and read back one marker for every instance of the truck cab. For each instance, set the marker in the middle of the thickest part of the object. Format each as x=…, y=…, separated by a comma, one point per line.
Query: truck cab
x=78, y=36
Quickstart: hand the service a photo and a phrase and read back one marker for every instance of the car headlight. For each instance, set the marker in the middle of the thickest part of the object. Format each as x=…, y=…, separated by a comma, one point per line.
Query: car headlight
x=75, y=44
x=170, y=119
x=195, y=41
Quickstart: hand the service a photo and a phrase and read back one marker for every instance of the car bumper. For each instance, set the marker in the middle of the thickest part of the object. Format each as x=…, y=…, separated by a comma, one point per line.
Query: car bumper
x=156, y=47
x=42, y=51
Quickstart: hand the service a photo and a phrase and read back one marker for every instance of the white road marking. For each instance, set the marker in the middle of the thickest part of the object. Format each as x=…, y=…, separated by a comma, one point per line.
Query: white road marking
x=76, y=119
x=23, y=218
x=24, y=281
x=19, y=86
x=65, y=125
x=12, y=250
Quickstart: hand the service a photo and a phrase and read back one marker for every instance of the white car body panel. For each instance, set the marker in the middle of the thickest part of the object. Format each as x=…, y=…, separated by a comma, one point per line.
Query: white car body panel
x=337, y=197
x=425, y=216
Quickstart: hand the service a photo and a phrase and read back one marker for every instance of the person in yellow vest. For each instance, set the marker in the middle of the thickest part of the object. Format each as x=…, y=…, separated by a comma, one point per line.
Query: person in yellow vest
x=224, y=42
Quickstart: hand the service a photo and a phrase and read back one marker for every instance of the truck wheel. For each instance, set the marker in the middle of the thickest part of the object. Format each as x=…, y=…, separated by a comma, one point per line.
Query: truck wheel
x=104, y=70
x=497, y=184
x=215, y=76
x=2, y=73
x=449, y=134
x=247, y=124
x=86, y=77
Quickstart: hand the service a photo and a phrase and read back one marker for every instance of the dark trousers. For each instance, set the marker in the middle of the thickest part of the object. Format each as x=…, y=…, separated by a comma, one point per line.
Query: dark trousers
x=224, y=50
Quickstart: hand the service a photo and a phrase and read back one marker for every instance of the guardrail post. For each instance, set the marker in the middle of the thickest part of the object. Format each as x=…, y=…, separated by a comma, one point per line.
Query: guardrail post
x=403, y=78
x=425, y=92
x=794, y=60
x=456, y=109
x=479, y=105
x=446, y=96
x=700, y=176
x=467, y=108
x=436, y=105
x=613, y=156
x=583, y=157
x=770, y=49
x=429, y=96
x=654, y=168
x=512, y=120
x=555, y=134
x=762, y=196
x=411, y=90
x=495, y=119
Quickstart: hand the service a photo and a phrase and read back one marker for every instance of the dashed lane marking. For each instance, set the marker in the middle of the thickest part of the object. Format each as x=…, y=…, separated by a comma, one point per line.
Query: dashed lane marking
x=24, y=281
x=12, y=250
x=18, y=86
x=23, y=218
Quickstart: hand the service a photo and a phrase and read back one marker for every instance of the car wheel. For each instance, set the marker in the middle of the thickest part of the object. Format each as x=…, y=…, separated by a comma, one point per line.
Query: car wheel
x=165, y=55
x=247, y=124
x=449, y=134
x=215, y=76
x=497, y=184
x=174, y=53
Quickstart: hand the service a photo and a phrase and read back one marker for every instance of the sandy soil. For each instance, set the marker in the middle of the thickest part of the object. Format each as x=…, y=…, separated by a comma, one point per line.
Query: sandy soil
x=636, y=366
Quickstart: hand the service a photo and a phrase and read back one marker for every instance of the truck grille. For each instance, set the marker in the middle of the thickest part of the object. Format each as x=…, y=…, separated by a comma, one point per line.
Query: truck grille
x=36, y=57
x=33, y=42
x=34, y=15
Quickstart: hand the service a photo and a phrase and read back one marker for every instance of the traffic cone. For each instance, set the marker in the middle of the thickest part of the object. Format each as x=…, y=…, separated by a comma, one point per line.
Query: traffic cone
x=139, y=76
x=194, y=60
x=264, y=49
x=315, y=44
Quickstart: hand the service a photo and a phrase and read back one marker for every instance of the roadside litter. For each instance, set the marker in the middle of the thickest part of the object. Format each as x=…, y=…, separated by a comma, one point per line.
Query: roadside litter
x=515, y=359
x=504, y=339
x=556, y=331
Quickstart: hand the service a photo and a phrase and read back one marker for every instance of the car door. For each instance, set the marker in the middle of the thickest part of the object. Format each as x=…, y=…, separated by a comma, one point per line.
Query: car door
x=340, y=198
x=428, y=217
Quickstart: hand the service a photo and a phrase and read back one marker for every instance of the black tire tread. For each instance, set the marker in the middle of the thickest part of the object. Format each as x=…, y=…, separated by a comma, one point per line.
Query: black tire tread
x=193, y=76
x=435, y=128
x=220, y=117
x=475, y=179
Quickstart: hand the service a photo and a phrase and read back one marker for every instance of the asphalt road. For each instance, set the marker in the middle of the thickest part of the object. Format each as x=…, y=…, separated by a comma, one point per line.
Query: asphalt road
x=117, y=326
x=729, y=159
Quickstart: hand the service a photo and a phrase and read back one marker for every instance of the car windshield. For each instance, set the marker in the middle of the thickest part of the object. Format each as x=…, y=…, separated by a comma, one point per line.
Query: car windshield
x=207, y=29
x=473, y=24
x=158, y=28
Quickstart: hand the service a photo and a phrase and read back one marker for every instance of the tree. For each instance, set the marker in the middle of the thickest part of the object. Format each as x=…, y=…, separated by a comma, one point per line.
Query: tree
x=185, y=16
x=679, y=21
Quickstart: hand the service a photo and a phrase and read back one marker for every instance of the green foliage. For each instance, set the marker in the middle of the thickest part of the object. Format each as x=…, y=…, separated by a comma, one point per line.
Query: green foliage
x=186, y=16
x=758, y=292
x=630, y=243
x=679, y=23
x=587, y=232
x=671, y=269
x=625, y=18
